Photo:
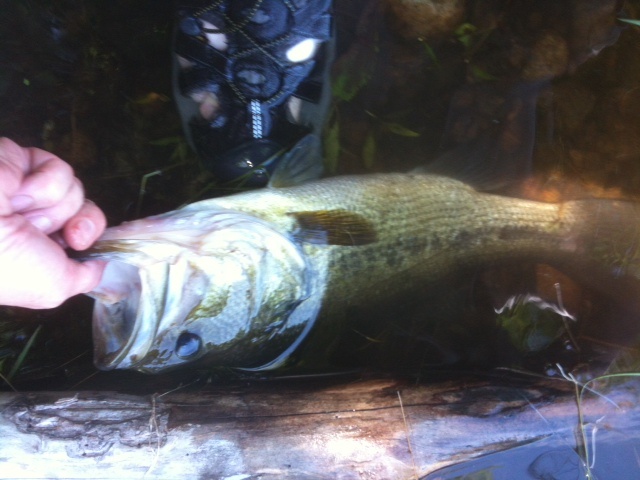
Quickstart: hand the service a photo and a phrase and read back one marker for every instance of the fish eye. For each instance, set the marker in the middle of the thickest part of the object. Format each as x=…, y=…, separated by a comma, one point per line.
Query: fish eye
x=188, y=345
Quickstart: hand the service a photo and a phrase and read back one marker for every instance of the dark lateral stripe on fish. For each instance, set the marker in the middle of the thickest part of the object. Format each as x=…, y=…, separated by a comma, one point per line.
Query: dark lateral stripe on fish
x=334, y=227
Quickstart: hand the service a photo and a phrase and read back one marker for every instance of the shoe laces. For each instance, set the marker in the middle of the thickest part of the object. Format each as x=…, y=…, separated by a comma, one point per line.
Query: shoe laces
x=234, y=26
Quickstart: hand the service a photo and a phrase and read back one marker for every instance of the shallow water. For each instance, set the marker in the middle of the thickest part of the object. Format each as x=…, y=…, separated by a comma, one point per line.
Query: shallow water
x=491, y=93
x=508, y=89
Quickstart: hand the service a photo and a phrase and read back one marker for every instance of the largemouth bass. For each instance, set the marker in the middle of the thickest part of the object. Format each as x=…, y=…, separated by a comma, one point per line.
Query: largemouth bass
x=240, y=281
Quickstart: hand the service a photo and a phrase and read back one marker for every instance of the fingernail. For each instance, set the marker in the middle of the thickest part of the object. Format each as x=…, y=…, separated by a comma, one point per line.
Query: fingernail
x=86, y=227
x=81, y=235
x=40, y=222
x=21, y=202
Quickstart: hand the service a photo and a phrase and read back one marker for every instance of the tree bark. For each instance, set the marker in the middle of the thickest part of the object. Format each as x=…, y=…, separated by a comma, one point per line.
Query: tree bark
x=363, y=429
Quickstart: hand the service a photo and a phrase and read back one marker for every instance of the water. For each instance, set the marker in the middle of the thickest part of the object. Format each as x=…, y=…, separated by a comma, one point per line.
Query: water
x=549, y=88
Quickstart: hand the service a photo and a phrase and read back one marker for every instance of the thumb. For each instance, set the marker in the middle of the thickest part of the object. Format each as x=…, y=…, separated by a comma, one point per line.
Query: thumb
x=84, y=276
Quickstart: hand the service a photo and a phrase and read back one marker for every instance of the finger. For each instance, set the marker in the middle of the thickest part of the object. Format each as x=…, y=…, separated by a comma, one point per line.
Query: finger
x=84, y=227
x=53, y=218
x=48, y=181
x=77, y=278
x=83, y=276
x=37, y=272
x=14, y=163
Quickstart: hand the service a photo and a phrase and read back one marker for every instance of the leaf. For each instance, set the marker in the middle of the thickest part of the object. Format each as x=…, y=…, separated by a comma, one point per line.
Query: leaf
x=530, y=327
x=401, y=130
x=630, y=21
x=151, y=98
x=481, y=74
x=430, y=52
x=465, y=28
x=393, y=127
x=23, y=354
x=353, y=71
x=181, y=152
x=346, y=86
x=163, y=142
x=369, y=151
x=464, y=33
x=332, y=147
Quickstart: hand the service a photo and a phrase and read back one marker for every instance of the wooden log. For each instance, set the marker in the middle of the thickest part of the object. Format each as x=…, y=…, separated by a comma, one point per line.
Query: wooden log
x=362, y=429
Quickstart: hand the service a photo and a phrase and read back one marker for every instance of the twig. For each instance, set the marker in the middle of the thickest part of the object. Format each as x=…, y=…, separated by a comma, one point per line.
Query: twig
x=408, y=433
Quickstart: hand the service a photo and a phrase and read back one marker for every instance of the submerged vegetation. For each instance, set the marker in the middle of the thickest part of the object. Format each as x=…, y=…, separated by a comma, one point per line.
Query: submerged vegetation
x=91, y=81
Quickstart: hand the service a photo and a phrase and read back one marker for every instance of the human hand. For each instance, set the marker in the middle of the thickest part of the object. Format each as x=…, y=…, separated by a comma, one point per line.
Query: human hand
x=42, y=211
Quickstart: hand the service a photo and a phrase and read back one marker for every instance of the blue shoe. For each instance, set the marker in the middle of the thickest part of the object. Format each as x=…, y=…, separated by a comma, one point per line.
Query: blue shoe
x=251, y=80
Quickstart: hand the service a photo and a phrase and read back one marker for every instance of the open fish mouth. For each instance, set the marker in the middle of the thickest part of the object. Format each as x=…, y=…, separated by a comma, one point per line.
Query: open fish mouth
x=200, y=286
x=114, y=320
x=123, y=326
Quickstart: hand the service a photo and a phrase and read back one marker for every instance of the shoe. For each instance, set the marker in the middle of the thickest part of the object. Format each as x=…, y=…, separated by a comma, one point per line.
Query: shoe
x=251, y=80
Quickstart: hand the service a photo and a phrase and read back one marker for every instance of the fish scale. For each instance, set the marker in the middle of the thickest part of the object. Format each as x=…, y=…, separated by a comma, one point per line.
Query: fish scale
x=434, y=224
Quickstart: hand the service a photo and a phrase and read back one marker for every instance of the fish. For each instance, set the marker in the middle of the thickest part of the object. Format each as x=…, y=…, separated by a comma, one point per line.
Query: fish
x=242, y=280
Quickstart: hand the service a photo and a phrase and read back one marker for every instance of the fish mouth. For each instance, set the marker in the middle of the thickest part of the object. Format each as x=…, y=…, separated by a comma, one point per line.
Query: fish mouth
x=224, y=280
x=122, y=325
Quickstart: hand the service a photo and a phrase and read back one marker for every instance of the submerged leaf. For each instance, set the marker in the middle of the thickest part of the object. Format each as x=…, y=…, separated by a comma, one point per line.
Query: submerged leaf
x=532, y=325
x=630, y=21
x=151, y=98
x=332, y=147
x=369, y=151
x=465, y=33
x=393, y=127
x=353, y=71
x=429, y=51
x=401, y=130
x=346, y=87
x=480, y=74
x=163, y=142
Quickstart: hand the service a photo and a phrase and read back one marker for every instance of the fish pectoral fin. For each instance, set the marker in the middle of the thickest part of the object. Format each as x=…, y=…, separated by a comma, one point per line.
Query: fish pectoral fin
x=491, y=155
x=334, y=227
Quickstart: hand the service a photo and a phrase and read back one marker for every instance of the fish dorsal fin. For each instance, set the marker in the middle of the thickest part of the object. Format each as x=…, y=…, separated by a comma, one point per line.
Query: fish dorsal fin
x=302, y=163
x=499, y=152
x=333, y=227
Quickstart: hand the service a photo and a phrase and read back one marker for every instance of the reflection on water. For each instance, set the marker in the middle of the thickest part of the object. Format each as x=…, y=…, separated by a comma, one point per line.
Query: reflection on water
x=553, y=458
x=602, y=444
x=490, y=92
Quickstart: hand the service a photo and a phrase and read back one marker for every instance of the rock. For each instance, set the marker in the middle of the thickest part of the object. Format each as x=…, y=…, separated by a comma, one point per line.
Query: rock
x=426, y=19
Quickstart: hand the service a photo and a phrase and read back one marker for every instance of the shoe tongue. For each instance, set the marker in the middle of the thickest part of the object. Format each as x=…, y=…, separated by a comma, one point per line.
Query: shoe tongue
x=269, y=21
